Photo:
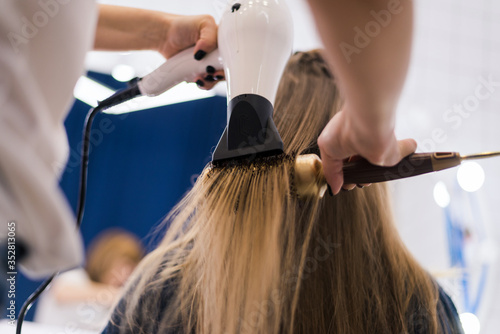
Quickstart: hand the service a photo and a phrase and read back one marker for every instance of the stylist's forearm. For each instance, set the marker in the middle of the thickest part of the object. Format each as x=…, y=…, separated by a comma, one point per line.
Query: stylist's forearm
x=123, y=28
x=370, y=65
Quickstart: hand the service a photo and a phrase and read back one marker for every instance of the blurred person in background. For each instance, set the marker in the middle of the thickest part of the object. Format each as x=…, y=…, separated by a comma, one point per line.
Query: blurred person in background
x=83, y=297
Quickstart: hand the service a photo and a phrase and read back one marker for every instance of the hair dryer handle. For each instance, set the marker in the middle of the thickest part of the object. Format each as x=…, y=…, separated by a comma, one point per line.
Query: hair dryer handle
x=181, y=67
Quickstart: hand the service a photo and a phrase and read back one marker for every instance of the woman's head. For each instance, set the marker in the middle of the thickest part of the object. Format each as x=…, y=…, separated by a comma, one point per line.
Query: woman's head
x=247, y=255
x=112, y=256
x=306, y=100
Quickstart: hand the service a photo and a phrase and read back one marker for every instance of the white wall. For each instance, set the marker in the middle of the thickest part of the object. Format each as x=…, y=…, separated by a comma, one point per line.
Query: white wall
x=456, y=44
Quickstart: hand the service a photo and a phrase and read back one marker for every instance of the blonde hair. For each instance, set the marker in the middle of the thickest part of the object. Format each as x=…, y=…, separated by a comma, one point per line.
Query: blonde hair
x=244, y=254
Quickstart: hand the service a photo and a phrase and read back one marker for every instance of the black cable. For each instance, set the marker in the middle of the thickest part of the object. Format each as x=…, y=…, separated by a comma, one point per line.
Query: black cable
x=31, y=299
x=79, y=216
x=115, y=99
x=85, y=164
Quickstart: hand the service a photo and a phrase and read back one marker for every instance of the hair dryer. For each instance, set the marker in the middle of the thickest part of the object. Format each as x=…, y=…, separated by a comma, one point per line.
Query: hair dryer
x=255, y=40
x=255, y=43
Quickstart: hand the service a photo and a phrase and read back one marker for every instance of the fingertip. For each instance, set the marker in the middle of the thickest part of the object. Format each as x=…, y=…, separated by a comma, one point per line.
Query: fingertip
x=349, y=186
x=209, y=78
x=199, y=55
x=336, y=189
x=330, y=192
x=335, y=180
x=209, y=85
x=380, y=162
x=414, y=144
x=402, y=149
x=219, y=75
x=407, y=147
x=410, y=142
x=321, y=141
x=389, y=162
x=207, y=41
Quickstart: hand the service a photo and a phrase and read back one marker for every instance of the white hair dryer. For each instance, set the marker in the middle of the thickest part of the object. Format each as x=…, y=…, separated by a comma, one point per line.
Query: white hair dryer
x=255, y=41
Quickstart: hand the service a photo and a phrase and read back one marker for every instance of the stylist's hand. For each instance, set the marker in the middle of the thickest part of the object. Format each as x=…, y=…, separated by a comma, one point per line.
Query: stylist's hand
x=343, y=137
x=186, y=31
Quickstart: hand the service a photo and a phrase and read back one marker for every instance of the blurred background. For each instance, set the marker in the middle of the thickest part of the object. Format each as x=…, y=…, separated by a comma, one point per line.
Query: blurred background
x=147, y=154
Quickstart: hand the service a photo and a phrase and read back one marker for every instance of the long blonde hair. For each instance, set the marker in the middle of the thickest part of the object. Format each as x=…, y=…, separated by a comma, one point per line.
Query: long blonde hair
x=245, y=254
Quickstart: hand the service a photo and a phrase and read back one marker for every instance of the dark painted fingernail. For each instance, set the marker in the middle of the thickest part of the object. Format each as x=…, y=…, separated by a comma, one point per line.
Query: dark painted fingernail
x=200, y=83
x=199, y=55
x=235, y=7
x=330, y=190
x=210, y=69
x=209, y=78
x=219, y=77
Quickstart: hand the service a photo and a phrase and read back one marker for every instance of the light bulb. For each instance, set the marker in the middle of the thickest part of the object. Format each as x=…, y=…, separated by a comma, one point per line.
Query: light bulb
x=441, y=195
x=470, y=176
x=470, y=323
x=123, y=73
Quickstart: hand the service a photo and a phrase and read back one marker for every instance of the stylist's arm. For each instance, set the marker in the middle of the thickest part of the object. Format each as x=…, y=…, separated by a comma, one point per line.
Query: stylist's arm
x=124, y=28
x=368, y=47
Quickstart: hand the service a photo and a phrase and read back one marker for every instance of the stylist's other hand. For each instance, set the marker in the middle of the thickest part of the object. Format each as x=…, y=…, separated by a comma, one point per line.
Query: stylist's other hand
x=343, y=138
x=186, y=31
